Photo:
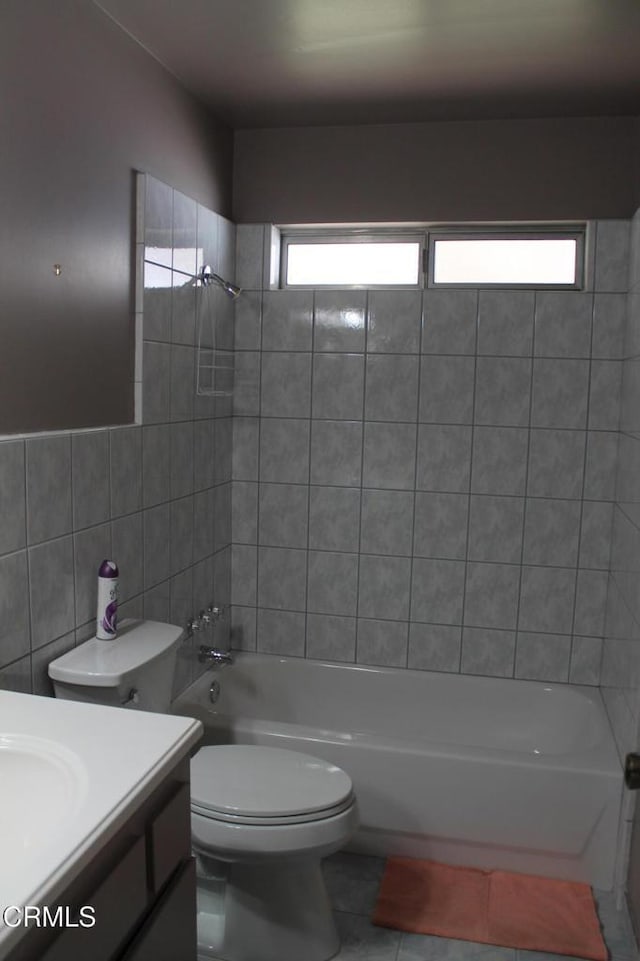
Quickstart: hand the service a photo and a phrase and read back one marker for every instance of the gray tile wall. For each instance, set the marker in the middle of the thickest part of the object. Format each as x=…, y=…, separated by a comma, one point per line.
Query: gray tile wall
x=621, y=659
x=156, y=497
x=426, y=479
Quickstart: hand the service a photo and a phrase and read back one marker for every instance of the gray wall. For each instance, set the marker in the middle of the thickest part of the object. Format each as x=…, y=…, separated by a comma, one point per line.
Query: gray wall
x=553, y=169
x=82, y=107
x=425, y=479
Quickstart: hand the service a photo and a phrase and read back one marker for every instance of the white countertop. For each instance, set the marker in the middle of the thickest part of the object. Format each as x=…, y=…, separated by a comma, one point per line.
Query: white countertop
x=82, y=769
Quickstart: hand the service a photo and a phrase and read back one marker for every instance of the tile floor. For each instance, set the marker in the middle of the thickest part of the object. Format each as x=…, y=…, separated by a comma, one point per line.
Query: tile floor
x=353, y=881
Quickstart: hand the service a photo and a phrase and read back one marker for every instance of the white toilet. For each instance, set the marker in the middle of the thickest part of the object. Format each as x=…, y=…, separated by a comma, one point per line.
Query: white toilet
x=261, y=818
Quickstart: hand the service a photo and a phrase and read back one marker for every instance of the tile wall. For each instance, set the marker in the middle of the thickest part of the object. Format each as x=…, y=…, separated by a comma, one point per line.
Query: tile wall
x=621, y=660
x=426, y=479
x=156, y=497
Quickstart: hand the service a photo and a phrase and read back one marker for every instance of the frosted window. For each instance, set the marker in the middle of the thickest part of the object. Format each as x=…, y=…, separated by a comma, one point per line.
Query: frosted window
x=535, y=261
x=365, y=264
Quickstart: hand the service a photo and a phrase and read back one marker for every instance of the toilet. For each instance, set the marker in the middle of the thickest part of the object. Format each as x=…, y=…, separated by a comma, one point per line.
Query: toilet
x=262, y=818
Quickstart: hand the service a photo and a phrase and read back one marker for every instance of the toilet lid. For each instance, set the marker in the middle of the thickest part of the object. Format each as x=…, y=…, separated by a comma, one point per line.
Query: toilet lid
x=251, y=781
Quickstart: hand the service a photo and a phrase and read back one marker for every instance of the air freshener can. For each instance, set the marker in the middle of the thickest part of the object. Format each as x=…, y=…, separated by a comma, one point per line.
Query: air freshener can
x=107, y=616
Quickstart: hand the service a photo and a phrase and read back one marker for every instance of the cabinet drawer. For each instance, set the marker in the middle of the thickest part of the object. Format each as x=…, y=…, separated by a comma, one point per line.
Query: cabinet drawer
x=170, y=837
x=119, y=902
x=170, y=933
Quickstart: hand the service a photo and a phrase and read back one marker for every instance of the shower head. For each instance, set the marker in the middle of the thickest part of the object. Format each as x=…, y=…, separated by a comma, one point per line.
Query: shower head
x=207, y=277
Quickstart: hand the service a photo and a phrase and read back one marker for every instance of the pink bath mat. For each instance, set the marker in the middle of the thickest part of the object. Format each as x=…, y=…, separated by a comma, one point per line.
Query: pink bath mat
x=493, y=907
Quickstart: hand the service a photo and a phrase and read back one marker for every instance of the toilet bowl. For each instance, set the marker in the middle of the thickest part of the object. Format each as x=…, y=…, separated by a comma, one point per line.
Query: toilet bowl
x=262, y=818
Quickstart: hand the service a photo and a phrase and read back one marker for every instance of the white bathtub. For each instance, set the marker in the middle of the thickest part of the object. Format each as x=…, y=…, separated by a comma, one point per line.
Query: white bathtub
x=519, y=775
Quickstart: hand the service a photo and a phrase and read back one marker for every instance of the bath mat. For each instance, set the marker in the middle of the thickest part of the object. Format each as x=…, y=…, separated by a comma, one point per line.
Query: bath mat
x=493, y=907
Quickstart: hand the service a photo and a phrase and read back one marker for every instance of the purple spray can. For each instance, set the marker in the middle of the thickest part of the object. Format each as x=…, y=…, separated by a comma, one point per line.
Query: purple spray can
x=107, y=617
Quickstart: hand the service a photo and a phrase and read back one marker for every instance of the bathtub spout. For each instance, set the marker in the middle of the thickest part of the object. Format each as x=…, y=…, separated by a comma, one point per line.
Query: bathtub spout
x=211, y=655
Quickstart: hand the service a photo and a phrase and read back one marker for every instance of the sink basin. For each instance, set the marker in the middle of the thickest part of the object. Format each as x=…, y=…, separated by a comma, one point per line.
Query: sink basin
x=42, y=786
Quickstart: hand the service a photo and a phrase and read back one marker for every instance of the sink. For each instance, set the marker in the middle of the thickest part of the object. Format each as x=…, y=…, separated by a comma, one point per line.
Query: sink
x=43, y=785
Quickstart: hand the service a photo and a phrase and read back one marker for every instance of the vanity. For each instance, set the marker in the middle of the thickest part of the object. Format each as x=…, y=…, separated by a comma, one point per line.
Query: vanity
x=95, y=815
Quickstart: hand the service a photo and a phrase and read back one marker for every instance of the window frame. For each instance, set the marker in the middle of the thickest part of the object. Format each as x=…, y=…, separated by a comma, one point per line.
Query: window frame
x=427, y=236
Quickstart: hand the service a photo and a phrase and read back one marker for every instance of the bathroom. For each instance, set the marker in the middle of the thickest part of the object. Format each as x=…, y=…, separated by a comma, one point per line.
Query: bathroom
x=304, y=512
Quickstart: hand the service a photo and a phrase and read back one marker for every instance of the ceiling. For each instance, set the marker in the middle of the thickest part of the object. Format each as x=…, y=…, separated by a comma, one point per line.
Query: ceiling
x=268, y=63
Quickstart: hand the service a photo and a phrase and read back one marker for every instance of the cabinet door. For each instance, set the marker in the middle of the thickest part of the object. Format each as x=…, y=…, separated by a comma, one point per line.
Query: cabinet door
x=119, y=902
x=170, y=933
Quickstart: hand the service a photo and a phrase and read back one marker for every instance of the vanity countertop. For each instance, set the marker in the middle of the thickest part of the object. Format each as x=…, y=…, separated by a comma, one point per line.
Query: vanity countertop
x=71, y=774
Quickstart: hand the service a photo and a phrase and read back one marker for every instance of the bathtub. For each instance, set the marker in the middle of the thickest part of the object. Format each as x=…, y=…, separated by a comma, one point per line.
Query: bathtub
x=518, y=775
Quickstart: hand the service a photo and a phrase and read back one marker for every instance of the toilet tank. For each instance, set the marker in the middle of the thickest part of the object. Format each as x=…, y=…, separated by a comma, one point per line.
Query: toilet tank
x=133, y=670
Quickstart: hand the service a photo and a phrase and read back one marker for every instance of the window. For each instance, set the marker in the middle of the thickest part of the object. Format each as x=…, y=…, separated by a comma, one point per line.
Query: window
x=457, y=257
x=352, y=260
x=505, y=260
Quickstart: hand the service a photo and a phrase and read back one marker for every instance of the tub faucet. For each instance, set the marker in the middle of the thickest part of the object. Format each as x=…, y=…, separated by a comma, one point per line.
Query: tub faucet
x=214, y=656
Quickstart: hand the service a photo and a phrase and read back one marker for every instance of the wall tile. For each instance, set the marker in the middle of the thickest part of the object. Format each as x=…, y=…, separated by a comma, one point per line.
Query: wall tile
x=560, y=390
x=336, y=453
x=156, y=545
x=502, y=391
x=612, y=255
x=12, y=496
x=441, y=525
x=181, y=459
x=248, y=321
x=246, y=383
x=595, y=534
x=282, y=576
x=243, y=628
x=48, y=505
x=156, y=382
x=609, y=321
x=383, y=589
x=334, y=518
x=488, y=652
x=339, y=322
x=287, y=320
x=392, y=388
x=505, y=322
x=51, y=590
x=604, y=395
x=330, y=637
x=394, y=321
x=563, y=323
x=552, y=529
x=127, y=547
x=495, y=529
x=338, y=386
x=546, y=600
x=181, y=552
x=556, y=463
x=17, y=676
x=41, y=683
x=446, y=389
x=244, y=512
x=281, y=632
x=437, y=591
x=204, y=532
x=284, y=451
x=543, y=657
x=14, y=607
x=387, y=522
x=332, y=583
x=449, y=324
x=382, y=642
x=158, y=221
x=444, y=458
x=389, y=455
x=126, y=470
x=203, y=454
x=499, y=460
x=186, y=302
x=244, y=574
x=434, y=647
x=283, y=513
x=491, y=595
x=156, y=464
x=586, y=655
x=599, y=482
x=182, y=383
x=591, y=599
x=286, y=385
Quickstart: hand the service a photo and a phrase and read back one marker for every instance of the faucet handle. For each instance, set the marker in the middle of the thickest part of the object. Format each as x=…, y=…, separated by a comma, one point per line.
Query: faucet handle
x=193, y=625
x=215, y=612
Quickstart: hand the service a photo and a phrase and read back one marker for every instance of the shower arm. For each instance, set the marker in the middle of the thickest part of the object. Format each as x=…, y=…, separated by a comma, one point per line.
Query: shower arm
x=207, y=278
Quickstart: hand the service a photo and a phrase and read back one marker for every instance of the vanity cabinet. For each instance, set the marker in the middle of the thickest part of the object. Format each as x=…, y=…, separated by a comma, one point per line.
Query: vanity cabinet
x=141, y=885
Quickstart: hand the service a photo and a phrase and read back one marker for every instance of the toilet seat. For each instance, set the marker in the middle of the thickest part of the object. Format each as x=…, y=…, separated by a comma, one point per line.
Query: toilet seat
x=265, y=786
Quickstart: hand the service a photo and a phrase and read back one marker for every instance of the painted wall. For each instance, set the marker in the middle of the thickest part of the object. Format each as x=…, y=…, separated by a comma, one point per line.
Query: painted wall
x=558, y=169
x=83, y=106
x=425, y=479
